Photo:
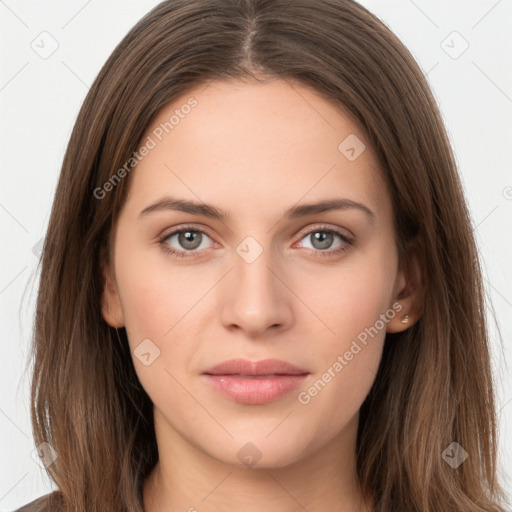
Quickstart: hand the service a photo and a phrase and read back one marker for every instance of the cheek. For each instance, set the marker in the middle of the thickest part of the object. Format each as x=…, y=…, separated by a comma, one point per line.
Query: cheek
x=166, y=303
x=158, y=303
x=346, y=365
x=355, y=306
x=332, y=398
x=155, y=294
x=155, y=320
x=349, y=298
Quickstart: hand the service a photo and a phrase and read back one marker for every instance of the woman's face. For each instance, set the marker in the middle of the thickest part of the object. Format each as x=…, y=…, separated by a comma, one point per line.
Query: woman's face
x=311, y=287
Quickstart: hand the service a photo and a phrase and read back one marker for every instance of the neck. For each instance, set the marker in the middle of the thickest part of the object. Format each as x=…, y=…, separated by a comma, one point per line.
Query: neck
x=187, y=479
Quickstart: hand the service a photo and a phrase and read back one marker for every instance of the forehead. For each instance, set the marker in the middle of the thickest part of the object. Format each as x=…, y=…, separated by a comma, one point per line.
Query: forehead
x=269, y=143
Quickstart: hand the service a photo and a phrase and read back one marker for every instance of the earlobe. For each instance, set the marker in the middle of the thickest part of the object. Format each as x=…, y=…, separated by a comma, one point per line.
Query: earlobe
x=400, y=322
x=409, y=294
x=111, y=307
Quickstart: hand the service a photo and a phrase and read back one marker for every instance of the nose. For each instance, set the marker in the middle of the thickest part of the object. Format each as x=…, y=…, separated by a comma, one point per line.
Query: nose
x=256, y=297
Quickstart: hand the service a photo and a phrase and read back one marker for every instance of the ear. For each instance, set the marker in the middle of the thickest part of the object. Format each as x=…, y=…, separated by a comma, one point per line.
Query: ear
x=111, y=308
x=408, y=292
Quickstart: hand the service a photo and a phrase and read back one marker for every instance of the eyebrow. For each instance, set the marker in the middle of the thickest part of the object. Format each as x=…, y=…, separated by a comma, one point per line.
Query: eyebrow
x=295, y=212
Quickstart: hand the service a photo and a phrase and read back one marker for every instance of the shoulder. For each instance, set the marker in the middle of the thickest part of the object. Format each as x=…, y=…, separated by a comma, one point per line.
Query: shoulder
x=47, y=503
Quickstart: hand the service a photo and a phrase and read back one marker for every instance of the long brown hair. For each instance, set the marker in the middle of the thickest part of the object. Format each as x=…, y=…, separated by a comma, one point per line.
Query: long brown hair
x=434, y=385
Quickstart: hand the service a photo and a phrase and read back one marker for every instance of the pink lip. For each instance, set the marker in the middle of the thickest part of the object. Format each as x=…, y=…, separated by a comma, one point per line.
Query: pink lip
x=255, y=382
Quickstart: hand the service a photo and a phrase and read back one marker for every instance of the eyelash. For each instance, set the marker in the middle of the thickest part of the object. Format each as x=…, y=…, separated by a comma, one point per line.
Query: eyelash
x=321, y=229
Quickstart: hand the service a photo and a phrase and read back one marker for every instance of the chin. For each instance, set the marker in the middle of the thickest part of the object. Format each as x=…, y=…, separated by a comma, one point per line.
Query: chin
x=259, y=451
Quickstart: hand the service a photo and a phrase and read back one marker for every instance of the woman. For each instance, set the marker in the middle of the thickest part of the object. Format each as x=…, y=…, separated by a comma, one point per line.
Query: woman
x=260, y=285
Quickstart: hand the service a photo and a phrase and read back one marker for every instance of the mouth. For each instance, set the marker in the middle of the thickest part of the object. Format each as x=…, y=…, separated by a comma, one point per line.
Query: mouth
x=255, y=383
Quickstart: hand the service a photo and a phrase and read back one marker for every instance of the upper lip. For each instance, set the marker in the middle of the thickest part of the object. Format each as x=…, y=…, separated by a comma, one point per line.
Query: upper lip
x=263, y=367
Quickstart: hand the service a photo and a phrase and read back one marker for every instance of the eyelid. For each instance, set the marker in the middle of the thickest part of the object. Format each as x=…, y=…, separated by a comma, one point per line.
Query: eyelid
x=200, y=228
x=305, y=231
x=348, y=239
x=322, y=226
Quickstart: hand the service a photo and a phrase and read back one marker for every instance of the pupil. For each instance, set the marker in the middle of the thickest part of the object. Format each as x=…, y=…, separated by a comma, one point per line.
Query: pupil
x=188, y=239
x=324, y=238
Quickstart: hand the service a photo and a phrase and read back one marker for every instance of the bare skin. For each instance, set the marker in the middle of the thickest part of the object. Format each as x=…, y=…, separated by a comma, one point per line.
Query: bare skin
x=256, y=150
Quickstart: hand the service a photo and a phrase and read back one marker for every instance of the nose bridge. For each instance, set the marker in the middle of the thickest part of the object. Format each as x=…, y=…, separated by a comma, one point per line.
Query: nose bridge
x=258, y=298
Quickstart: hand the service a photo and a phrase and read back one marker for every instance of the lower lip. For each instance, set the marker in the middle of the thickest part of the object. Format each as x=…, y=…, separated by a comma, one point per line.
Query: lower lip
x=255, y=390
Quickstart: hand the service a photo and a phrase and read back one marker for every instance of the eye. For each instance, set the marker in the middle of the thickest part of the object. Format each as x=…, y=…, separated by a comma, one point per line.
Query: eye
x=321, y=239
x=189, y=242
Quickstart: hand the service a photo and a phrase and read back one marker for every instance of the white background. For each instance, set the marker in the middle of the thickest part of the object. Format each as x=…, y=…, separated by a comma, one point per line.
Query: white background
x=39, y=101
